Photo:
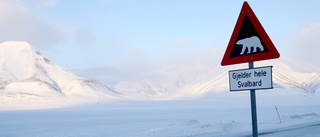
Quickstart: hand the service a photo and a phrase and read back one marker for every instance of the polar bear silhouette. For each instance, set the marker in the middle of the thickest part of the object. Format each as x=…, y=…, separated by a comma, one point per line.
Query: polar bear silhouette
x=250, y=42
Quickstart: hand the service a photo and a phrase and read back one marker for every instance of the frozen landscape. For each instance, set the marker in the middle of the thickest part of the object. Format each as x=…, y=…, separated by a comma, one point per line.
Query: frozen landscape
x=225, y=115
x=40, y=98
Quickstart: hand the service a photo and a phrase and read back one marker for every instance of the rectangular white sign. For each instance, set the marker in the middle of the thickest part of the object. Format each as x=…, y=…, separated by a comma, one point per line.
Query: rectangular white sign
x=246, y=79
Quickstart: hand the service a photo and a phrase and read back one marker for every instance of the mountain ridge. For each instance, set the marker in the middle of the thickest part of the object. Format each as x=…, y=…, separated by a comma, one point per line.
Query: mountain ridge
x=287, y=74
x=25, y=73
x=27, y=76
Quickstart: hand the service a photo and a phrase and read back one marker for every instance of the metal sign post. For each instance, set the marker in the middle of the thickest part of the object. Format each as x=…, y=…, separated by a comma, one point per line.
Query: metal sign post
x=253, y=108
x=249, y=42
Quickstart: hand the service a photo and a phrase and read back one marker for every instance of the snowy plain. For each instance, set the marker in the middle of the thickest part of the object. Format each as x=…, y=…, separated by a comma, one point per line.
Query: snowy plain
x=224, y=114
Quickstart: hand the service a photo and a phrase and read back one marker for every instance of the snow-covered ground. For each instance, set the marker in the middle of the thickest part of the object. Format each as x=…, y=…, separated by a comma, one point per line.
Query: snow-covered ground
x=224, y=114
x=40, y=98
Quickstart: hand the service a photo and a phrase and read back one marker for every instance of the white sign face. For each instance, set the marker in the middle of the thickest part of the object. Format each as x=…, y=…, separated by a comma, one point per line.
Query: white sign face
x=246, y=79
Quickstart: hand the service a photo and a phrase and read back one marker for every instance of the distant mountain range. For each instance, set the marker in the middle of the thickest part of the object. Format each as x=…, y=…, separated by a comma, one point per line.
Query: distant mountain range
x=26, y=75
x=195, y=81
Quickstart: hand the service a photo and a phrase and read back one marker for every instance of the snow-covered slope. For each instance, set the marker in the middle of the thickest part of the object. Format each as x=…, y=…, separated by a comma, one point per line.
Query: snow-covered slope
x=290, y=73
x=161, y=83
x=193, y=83
x=26, y=75
x=287, y=74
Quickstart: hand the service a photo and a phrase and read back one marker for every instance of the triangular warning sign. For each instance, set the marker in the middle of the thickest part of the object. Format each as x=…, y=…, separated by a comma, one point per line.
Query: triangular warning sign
x=249, y=41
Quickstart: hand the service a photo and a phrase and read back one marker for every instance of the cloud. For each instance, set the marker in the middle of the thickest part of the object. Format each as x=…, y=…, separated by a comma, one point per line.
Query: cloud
x=307, y=43
x=82, y=36
x=43, y=3
x=113, y=1
x=78, y=35
x=17, y=23
x=180, y=41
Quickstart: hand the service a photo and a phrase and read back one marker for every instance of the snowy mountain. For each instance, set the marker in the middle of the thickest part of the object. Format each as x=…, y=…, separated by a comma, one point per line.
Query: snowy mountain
x=290, y=73
x=26, y=75
x=191, y=82
x=287, y=74
x=159, y=84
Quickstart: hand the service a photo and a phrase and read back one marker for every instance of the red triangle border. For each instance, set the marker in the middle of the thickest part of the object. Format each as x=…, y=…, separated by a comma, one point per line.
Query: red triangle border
x=271, y=54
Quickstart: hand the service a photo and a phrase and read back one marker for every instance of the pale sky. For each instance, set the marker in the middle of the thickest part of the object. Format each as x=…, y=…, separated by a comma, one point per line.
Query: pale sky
x=138, y=34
